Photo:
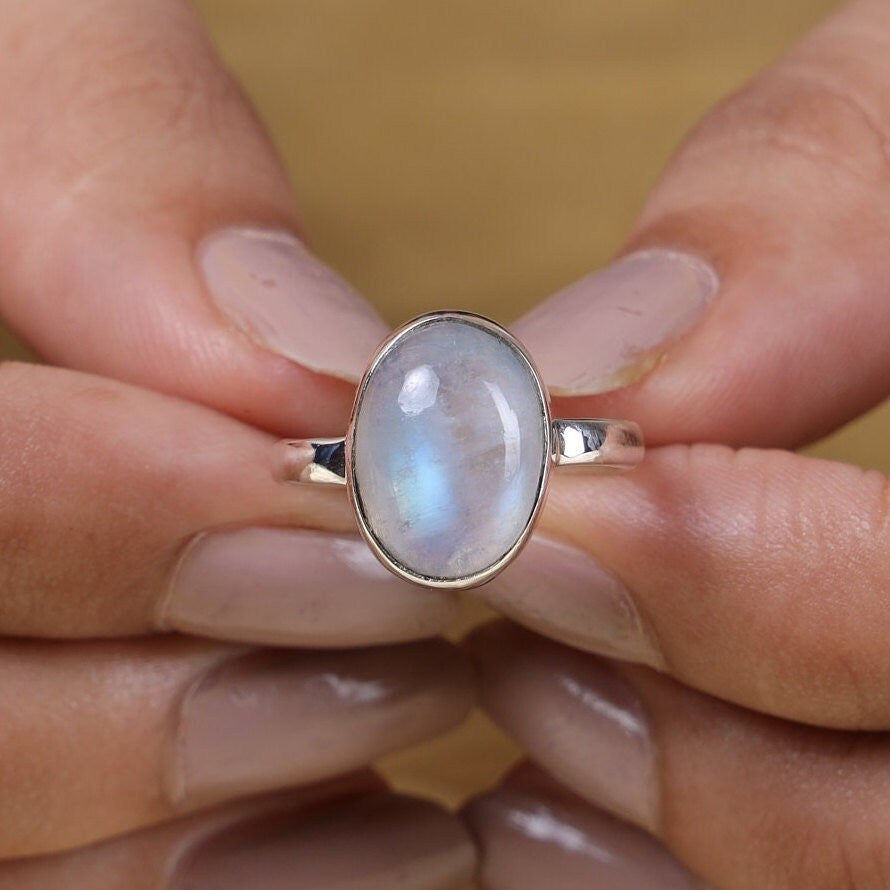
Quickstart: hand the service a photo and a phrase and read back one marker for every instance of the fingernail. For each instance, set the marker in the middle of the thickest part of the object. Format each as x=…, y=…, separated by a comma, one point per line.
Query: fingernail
x=383, y=842
x=280, y=295
x=612, y=327
x=279, y=718
x=560, y=591
x=296, y=587
x=537, y=837
x=576, y=717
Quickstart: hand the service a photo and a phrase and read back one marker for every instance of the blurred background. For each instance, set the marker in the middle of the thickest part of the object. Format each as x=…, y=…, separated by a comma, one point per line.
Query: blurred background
x=467, y=154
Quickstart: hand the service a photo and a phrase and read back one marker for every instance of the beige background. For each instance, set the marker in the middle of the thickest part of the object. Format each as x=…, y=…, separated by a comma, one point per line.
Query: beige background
x=481, y=153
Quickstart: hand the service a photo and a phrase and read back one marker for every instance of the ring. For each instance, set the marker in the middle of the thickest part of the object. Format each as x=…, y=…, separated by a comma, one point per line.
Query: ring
x=449, y=450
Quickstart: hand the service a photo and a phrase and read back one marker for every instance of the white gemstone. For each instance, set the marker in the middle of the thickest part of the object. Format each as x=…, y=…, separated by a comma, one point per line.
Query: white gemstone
x=449, y=448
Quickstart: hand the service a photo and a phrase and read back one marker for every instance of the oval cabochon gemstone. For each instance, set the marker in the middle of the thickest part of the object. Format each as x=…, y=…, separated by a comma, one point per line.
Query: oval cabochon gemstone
x=449, y=448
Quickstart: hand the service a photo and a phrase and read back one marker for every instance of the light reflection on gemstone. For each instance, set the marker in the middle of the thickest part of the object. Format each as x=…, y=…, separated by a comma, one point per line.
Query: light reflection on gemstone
x=512, y=439
x=449, y=448
x=421, y=493
x=419, y=390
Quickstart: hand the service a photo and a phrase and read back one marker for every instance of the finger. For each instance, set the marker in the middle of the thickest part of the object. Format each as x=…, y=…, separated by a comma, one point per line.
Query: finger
x=744, y=800
x=751, y=308
x=532, y=832
x=757, y=576
x=317, y=838
x=127, y=512
x=148, y=221
x=107, y=737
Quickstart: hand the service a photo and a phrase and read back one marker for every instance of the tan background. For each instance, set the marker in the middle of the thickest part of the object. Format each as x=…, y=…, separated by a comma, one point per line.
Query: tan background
x=481, y=153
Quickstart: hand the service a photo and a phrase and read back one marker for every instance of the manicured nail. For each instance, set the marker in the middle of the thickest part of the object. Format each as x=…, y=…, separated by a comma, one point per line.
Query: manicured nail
x=576, y=717
x=278, y=718
x=612, y=327
x=560, y=591
x=538, y=837
x=382, y=842
x=281, y=296
x=295, y=587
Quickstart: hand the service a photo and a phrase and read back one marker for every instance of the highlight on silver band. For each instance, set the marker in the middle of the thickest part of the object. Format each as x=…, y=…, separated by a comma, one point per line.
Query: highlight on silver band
x=607, y=444
x=328, y=463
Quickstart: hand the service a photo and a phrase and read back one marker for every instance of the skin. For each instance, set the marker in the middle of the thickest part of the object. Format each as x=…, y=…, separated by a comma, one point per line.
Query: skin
x=760, y=576
x=126, y=138
x=784, y=189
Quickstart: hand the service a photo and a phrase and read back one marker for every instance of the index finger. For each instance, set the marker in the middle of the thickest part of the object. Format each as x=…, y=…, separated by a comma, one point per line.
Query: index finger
x=128, y=512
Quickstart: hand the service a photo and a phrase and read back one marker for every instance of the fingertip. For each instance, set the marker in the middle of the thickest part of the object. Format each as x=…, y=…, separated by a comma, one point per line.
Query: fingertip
x=610, y=329
x=532, y=833
x=269, y=285
x=155, y=237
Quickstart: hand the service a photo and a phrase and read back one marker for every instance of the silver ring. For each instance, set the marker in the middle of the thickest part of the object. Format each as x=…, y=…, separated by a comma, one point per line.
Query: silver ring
x=449, y=450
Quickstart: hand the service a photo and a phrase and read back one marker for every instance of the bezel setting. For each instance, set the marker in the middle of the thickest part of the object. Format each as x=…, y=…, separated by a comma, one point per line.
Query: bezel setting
x=379, y=549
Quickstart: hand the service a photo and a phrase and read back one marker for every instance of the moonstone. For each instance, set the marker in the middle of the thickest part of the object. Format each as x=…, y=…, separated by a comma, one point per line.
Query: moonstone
x=449, y=449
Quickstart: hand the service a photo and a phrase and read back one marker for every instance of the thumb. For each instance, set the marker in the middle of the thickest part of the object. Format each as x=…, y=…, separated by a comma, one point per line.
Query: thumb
x=751, y=305
x=147, y=225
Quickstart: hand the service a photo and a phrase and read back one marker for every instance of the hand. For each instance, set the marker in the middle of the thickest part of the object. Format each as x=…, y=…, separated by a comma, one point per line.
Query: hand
x=146, y=255
x=748, y=585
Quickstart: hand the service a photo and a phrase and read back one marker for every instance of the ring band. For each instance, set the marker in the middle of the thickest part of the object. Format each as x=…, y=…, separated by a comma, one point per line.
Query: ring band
x=586, y=444
x=449, y=449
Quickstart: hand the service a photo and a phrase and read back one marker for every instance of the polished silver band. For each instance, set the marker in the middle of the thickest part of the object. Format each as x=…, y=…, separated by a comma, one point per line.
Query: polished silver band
x=601, y=444
x=327, y=465
x=588, y=444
